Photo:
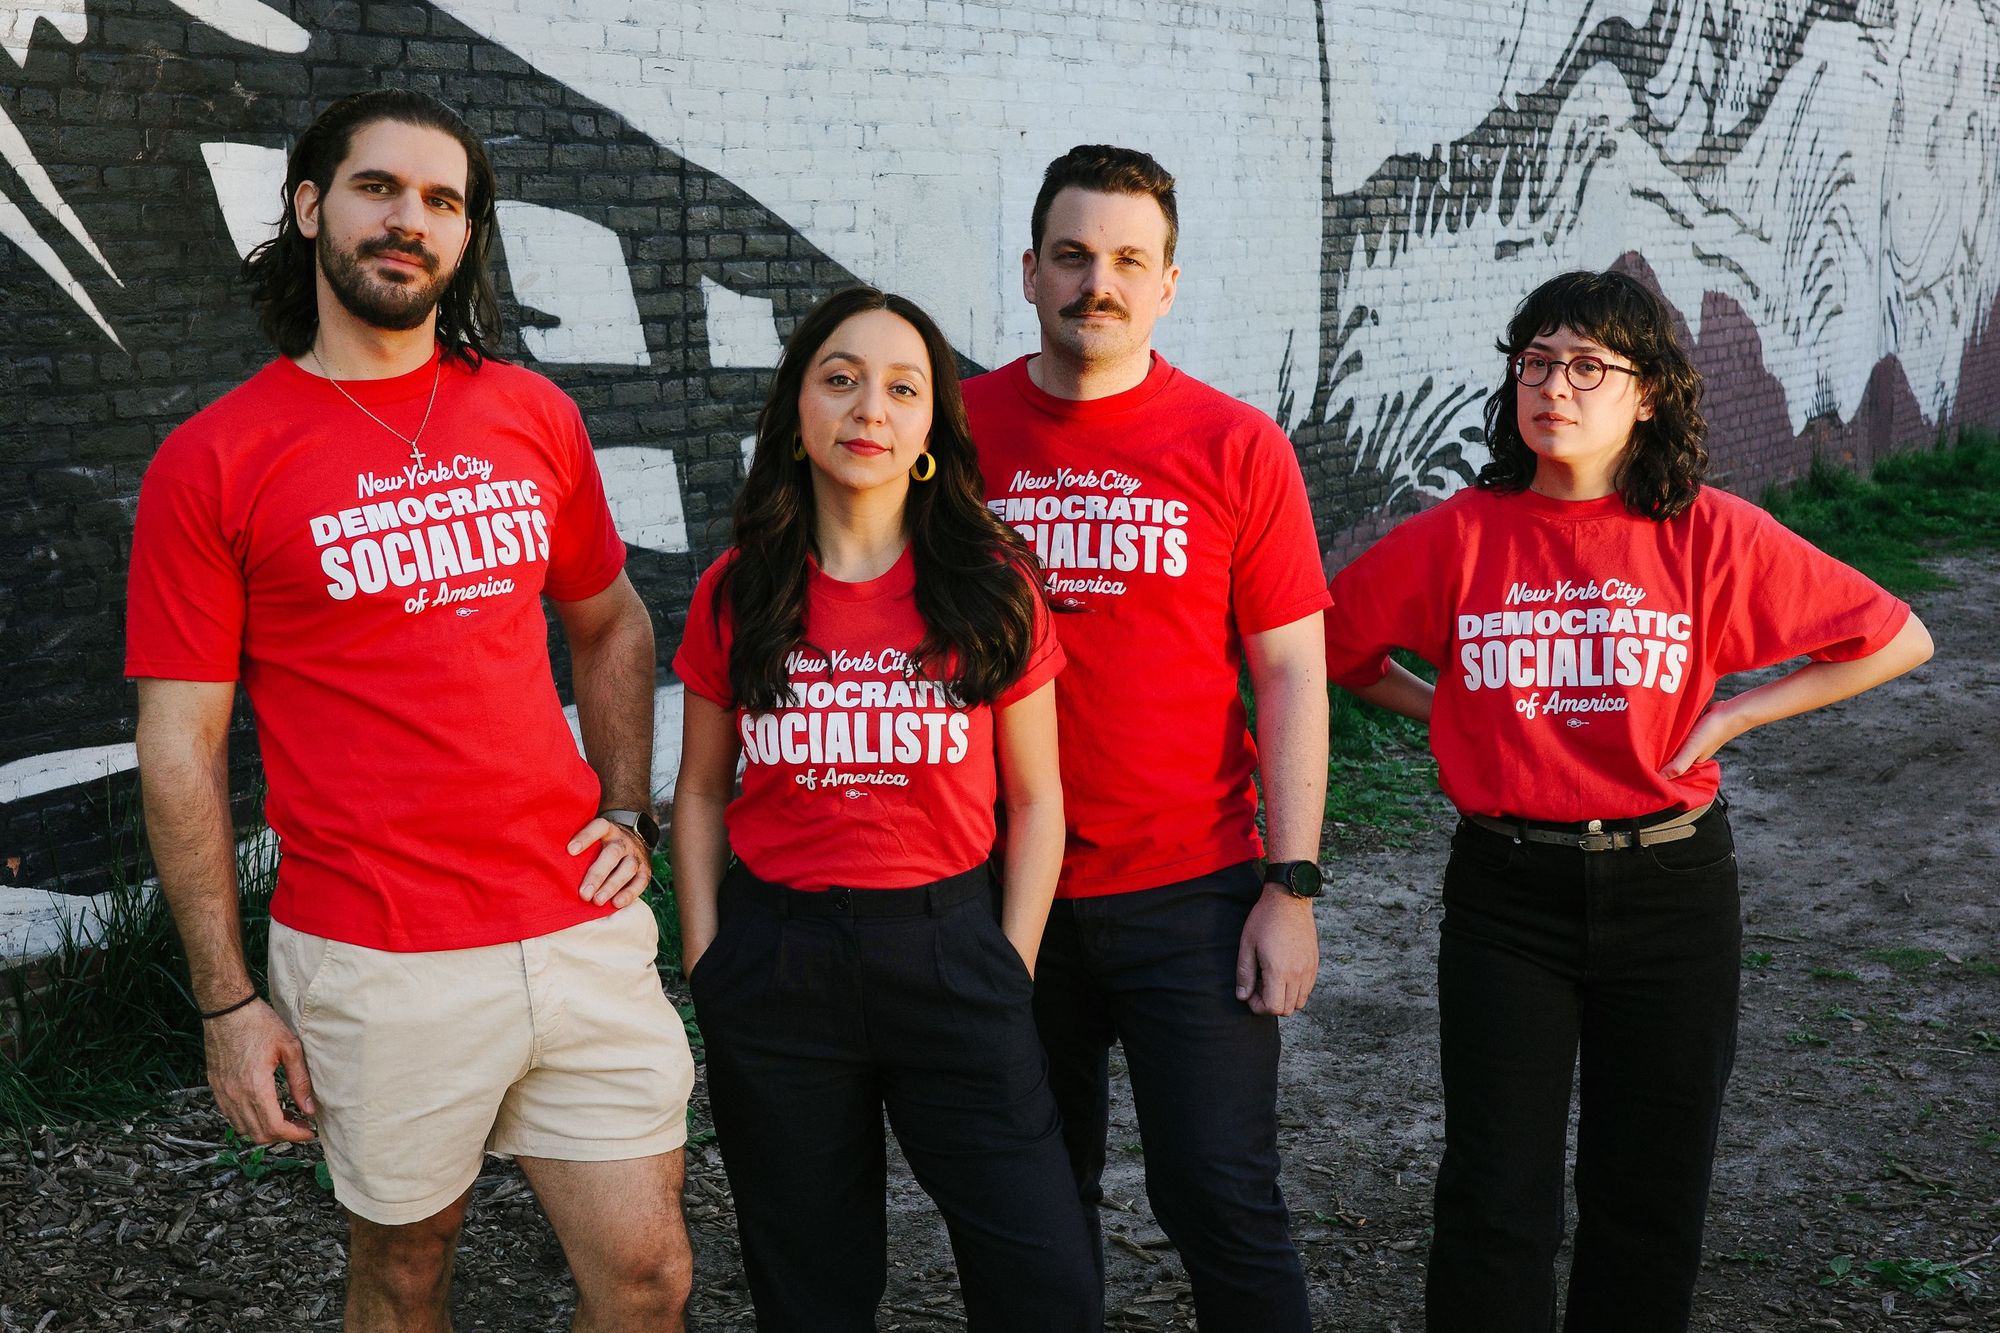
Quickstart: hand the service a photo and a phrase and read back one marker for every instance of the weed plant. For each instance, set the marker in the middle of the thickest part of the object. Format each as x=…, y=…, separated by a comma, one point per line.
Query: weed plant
x=111, y=1027
x=1913, y=506
x=1922, y=1278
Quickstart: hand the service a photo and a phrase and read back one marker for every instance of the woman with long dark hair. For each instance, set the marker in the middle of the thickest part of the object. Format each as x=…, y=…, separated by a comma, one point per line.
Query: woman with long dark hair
x=875, y=649
x=1580, y=602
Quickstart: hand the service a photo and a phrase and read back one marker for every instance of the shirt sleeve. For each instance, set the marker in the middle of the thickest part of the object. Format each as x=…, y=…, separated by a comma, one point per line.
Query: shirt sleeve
x=702, y=661
x=1045, y=663
x=1786, y=598
x=1275, y=576
x=585, y=552
x=1390, y=596
x=185, y=594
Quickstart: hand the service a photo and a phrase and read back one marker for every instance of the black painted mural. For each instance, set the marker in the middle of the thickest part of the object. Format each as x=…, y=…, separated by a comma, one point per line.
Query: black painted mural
x=151, y=325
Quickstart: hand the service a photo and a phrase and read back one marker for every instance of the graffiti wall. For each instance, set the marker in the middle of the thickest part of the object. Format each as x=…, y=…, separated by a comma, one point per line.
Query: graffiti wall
x=1365, y=194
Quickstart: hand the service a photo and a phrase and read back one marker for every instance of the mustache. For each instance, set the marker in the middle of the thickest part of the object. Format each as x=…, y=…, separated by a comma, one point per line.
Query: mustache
x=1095, y=305
x=398, y=245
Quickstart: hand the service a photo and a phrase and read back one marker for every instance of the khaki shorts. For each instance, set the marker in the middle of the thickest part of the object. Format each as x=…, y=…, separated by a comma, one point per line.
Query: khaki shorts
x=562, y=1046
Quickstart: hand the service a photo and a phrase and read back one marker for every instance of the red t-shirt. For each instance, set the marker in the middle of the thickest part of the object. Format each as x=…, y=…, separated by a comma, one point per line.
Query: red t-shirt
x=385, y=619
x=876, y=779
x=1173, y=521
x=1577, y=643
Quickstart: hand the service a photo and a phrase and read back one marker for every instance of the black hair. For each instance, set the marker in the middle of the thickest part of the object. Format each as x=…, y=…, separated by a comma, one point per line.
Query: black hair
x=1662, y=469
x=1107, y=169
x=977, y=581
x=281, y=272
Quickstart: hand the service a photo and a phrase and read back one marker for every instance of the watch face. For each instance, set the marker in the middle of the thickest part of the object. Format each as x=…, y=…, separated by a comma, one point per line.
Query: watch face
x=640, y=822
x=1301, y=879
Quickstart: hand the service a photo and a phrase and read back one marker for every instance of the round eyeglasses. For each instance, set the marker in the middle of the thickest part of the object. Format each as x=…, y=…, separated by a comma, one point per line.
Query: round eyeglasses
x=1584, y=373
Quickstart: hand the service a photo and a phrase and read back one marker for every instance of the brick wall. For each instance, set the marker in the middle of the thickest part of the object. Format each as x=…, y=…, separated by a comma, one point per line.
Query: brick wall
x=1366, y=191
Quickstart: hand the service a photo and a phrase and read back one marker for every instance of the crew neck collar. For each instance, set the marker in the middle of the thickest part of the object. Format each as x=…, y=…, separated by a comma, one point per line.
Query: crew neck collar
x=395, y=389
x=1572, y=511
x=1158, y=374
x=899, y=579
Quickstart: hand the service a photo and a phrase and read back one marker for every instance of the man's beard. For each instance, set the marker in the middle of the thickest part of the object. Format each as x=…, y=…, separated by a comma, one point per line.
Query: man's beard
x=382, y=302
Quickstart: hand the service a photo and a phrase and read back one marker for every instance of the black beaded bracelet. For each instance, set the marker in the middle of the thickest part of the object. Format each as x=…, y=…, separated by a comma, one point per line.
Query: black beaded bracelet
x=247, y=1000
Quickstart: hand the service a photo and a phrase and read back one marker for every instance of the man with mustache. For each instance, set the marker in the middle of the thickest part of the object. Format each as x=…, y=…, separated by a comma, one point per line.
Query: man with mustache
x=1174, y=525
x=363, y=534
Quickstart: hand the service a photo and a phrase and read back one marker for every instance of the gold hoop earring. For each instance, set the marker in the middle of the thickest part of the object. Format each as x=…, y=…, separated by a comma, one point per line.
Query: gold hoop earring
x=798, y=449
x=928, y=463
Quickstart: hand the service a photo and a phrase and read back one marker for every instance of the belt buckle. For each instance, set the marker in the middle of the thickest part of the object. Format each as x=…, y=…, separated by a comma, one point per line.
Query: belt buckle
x=1595, y=839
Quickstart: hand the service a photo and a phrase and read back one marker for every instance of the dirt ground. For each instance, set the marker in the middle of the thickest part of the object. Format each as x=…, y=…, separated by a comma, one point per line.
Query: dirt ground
x=1863, y=1119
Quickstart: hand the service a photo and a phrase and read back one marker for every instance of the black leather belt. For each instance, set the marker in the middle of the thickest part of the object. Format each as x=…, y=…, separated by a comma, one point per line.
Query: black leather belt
x=922, y=900
x=1594, y=837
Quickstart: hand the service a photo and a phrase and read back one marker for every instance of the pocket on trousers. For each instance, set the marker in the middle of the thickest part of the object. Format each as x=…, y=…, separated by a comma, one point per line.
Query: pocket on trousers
x=699, y=972
x=721, y=962
x=298, y=965
x=1711, y=848
x=1011, y=961
x=1484, y=850
x=987, y=959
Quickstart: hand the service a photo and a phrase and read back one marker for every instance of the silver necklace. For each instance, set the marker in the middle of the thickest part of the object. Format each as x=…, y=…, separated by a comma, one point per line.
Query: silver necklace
x=411, y=440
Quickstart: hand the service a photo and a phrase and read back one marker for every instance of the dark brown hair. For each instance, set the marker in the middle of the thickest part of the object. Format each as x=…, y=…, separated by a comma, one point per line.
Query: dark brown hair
x=1662, y=469
x=1109, y=170
x=281, y=271
x=977, y=581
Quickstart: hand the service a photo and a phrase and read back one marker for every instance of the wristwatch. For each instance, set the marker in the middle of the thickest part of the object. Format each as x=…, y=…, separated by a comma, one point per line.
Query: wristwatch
x=1298, y=878
x=640, y=822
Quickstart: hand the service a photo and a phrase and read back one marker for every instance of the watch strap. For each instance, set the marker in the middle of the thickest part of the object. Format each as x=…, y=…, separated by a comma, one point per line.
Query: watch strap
x=640, y=822
x=1301, y=879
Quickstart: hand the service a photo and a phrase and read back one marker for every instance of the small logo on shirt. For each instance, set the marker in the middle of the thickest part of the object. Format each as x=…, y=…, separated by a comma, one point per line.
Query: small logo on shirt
x=465, y=611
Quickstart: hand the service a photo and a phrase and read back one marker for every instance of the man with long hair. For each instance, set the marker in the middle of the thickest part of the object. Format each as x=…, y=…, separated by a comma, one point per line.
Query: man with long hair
x=363, y=534
x=1174, y=525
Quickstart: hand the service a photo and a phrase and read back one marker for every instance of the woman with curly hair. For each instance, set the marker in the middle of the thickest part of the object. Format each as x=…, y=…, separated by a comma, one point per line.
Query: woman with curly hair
x=875, y=649
x=1580, y=602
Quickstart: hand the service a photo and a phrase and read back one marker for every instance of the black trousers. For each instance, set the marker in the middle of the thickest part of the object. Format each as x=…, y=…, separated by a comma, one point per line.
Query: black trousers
x=1156, y=972
x=820, y=1010
x=1621, y=964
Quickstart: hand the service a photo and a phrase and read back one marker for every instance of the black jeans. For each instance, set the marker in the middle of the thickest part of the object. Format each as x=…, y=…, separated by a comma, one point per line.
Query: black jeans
x=1156, y=971
x=1629, y=958
x=822, y=1009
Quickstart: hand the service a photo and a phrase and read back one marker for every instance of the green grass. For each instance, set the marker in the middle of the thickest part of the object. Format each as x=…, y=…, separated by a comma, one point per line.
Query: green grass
x=661, y=899
x=1379, y=768
x=1905, y=960
x=113, y=1027
x=1913, y=506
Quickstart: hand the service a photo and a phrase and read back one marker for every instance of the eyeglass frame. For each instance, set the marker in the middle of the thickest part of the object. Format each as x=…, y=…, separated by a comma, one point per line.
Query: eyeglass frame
x=1514, y=369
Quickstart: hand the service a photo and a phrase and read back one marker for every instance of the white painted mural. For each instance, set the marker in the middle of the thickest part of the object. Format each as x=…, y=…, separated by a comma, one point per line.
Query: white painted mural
x=1835, y=178
x=907, y=140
